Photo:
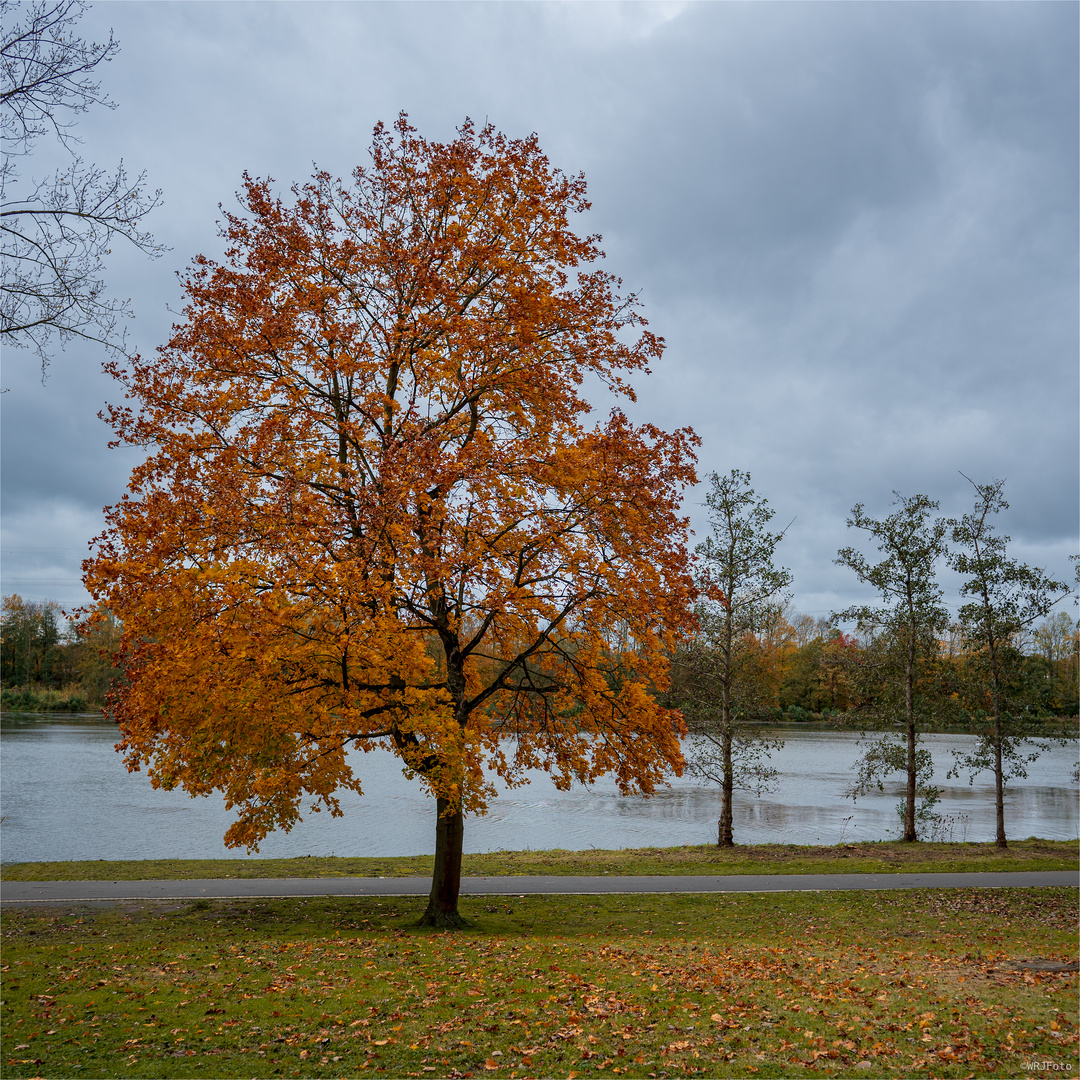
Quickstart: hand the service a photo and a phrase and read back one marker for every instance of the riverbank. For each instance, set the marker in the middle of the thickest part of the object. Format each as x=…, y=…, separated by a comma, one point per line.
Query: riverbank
x=39, y=702
x=871, y=858
x=42, y=704
x=937, y=983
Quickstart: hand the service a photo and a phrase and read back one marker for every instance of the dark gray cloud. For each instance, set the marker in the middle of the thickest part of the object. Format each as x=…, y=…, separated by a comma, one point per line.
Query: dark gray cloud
x=854, y=224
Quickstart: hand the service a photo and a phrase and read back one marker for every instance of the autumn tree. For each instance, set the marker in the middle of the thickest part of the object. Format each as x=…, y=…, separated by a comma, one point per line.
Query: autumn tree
x=807, y=629
x=816, y=668
x=377, y=512
x=903, y=641
x=93, y=651
x=58, y=228
x=1055, y=638
x=1006, y=598
x=724, y=678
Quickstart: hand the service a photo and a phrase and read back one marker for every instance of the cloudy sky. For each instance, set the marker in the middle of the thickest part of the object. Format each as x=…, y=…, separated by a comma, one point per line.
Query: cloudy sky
x=855, y=225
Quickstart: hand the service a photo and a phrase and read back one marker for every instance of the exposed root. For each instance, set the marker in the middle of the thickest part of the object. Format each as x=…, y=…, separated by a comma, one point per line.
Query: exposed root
x=439, y=919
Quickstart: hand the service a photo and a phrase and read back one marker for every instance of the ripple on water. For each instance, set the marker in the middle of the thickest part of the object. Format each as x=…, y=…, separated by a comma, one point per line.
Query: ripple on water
x=67, y=795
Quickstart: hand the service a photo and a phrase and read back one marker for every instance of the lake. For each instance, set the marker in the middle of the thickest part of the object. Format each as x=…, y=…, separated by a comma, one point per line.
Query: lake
x=66, y=795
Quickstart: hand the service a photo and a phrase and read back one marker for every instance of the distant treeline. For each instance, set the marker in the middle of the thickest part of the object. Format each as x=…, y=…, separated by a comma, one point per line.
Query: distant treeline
x=804, y=666
x=50, y=665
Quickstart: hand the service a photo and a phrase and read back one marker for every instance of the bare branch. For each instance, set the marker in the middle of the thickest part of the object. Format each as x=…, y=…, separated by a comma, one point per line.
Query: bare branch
x=56, y=233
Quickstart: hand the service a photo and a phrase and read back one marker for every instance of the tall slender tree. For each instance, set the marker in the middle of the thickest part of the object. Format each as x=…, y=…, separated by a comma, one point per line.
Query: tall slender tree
x=376, y=513
x=1006, y=598
x=904, y=633
x=723, y=676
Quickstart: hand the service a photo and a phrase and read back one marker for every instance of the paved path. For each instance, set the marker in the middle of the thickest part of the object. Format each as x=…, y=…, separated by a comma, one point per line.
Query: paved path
x=38, y=892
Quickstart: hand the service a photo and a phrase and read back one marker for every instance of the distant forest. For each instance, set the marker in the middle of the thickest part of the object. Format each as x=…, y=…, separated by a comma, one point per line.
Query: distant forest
x=802, y=665
x=805, y=668
x=48, y=664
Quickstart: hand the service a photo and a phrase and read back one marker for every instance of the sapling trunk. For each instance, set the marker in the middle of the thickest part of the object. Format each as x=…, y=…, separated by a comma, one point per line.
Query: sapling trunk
x=725, y=837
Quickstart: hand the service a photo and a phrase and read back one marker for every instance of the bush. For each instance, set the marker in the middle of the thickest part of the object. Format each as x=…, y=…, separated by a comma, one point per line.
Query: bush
x=28, y=699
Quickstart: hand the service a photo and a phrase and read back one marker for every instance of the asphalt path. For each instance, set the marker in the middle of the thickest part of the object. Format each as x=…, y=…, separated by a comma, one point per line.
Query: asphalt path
x=64, y=892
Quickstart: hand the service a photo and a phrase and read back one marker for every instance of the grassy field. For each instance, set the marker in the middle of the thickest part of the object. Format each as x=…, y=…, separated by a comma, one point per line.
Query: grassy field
x=885, y=857
x=949, y=983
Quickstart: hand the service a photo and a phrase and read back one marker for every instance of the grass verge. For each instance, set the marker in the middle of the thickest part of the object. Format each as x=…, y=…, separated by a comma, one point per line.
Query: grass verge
x=875, y=858
x=949, y=983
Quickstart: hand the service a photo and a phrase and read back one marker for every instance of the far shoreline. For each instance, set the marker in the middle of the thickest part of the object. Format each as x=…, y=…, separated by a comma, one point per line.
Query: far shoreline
x=1046, y=727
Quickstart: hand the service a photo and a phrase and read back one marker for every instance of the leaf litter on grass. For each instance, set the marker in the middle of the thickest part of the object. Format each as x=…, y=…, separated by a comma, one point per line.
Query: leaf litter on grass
x=803, y=984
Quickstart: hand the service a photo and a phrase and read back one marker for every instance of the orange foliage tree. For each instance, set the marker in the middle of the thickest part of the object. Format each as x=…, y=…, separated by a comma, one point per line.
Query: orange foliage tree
x=376, y=512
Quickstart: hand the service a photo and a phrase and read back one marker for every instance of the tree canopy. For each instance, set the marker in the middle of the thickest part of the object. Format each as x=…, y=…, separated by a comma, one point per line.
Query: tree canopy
x=377, y=512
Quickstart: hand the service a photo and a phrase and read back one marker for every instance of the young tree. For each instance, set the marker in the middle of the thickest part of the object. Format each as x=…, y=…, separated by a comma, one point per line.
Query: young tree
x=376, y=514
x=723, y=678
x=1007, y=598
x=892, y=675
x=57, y=231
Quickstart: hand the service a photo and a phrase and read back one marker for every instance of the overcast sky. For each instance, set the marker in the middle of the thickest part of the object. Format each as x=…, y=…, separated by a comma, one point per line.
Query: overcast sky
x=855, y=225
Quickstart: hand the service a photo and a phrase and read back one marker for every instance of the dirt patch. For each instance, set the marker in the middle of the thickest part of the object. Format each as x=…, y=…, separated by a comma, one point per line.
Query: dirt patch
x=1057, y=966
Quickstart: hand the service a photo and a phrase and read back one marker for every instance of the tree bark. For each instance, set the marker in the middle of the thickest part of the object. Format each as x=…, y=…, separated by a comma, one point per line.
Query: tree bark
x=725, y=838
x=909, y=718
x=998, y=704
x=999, y=785
x=442, y=908
x=910, y=835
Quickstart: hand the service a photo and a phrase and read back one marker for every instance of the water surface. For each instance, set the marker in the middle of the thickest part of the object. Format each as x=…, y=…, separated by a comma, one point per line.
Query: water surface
x=66, y=795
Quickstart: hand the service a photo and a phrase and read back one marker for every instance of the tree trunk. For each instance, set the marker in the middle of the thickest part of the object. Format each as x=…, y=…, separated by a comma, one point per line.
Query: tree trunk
x=909, y=802
x=999, y=772
x=442, y=909
x=725, y=838
x=999, y=785
x=909, y=717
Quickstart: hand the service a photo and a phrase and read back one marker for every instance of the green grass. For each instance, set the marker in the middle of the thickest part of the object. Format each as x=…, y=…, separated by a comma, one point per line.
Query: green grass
x=857, y=984
x=885, y=857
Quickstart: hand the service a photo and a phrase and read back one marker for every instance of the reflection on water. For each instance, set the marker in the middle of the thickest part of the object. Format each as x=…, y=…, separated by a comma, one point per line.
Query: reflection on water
x=66, y=795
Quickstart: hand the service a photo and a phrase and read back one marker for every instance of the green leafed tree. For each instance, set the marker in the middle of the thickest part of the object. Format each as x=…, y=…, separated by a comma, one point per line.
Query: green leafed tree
x=895, y=674
x=1005, y=599
x=725, y=677
x=31, y=635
